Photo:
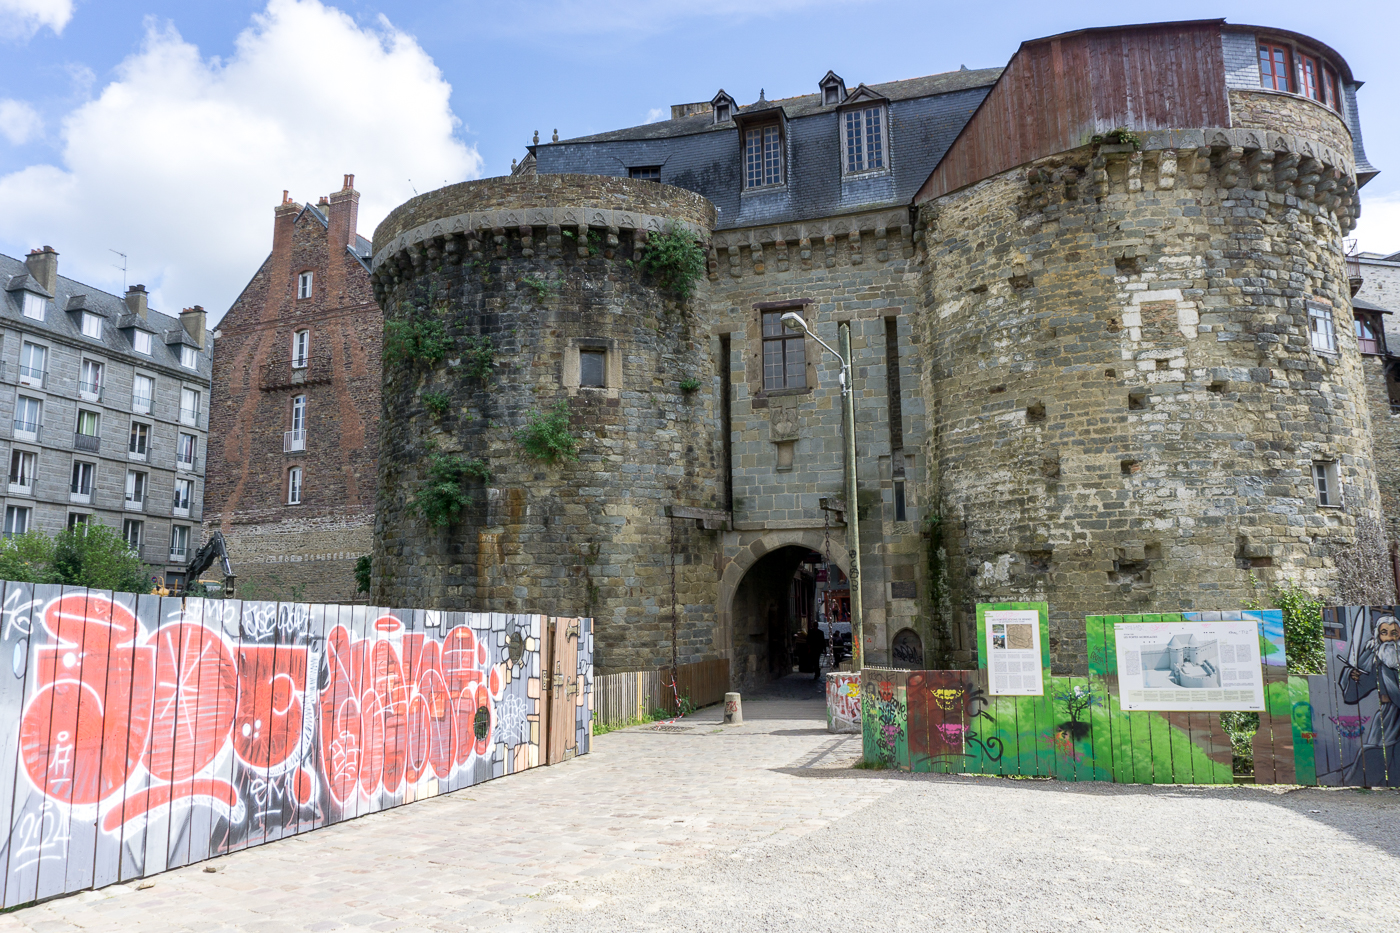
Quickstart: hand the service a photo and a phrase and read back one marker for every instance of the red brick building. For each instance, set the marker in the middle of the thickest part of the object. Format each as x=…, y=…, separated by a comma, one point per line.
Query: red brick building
x=294, y=416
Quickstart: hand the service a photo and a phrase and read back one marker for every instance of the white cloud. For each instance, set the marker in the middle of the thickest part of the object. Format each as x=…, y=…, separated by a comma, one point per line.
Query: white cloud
x=180, y=160
x=19, y=122
x=21, y=19
x=657, y=114
x=1378, y=229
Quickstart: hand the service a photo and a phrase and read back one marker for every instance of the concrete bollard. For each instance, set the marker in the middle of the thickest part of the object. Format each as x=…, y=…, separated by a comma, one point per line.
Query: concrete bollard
x=733, y=709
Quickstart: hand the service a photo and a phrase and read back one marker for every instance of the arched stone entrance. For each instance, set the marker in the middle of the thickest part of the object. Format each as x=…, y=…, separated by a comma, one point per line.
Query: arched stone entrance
x=756, y=611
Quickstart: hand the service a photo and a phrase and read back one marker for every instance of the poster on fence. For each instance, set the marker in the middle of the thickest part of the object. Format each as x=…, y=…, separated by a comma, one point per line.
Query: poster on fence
x=1206, y=666
x=1011, y=638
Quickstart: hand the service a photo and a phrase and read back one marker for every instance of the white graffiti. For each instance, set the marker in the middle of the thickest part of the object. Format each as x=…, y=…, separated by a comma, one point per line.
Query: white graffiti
x=513, y=727
x=40, y=835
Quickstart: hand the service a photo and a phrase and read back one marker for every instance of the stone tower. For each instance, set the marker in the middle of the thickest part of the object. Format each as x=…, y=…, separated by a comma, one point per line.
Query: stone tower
x=511, y=300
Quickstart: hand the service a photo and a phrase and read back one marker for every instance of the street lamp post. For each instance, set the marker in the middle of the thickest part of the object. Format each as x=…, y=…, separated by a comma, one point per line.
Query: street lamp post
x=795, y=321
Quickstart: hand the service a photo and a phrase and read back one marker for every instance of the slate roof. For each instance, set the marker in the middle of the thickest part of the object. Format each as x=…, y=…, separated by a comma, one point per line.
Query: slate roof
x=1361, y=304
x=62, y=320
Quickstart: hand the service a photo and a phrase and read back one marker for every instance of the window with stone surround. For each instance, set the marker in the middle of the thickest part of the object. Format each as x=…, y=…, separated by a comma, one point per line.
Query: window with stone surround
x=863, y=139
x=593, y=367
x=1321, y=328
x=763, y=156
x=1327, y=483
x=784, y=354
x=16, y=520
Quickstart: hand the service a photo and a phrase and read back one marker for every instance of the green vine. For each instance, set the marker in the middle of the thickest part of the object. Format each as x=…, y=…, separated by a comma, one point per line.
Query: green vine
x=676, y=261
x=547, y=437
x=415, y=342
x=479, y=357
x=441, y=498
x=542, y=288
x=437, y=403
x=1119, y=137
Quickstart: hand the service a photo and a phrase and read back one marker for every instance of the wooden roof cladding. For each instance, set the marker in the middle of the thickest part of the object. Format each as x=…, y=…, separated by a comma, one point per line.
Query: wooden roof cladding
x=1058, y=92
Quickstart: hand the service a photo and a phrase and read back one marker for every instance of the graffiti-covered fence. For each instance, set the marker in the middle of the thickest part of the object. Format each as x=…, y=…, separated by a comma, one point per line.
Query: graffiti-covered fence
x=1095, y=727
x=140, y=733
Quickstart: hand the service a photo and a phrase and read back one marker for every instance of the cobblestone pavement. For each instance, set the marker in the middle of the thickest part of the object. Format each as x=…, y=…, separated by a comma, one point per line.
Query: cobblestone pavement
x=473, y=859
x=766, y=827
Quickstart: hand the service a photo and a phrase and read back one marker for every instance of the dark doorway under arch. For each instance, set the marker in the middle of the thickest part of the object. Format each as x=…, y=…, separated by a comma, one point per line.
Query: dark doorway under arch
x=775, y=604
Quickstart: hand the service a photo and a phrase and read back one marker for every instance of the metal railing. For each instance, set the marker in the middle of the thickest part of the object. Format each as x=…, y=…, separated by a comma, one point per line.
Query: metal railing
x=29, y=427
x=284, y=372
x=23, y=489
x=141, y=404
x=92, y=389
x=136, y=504
x=189, y=416
x=30, y=376
x=89, y=443
x=178, y=555
x=293, y=440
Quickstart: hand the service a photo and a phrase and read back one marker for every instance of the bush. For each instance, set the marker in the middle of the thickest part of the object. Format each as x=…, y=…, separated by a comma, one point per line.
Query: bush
x=675, y=260
x=546, y=437
x=479, y=357
x=437, y=403
x=362, y=572
x=98, y=557
x=27, y=558
x=1302, y=625
x=415, y=342
x=441, y=499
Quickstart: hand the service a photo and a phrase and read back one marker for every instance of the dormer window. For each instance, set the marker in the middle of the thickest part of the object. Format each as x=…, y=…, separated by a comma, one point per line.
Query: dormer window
x=831, y=95
x=763, y=156
x=723, y=107
x=864, y=139
x=722, y=113
x=33, y=306
x=189, y=357
x=833, y=89
x=92, y=325
x=141, y=342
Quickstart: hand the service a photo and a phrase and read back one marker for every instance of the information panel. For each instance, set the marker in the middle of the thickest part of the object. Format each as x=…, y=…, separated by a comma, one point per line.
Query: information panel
x=1206, y=666
x=1013, y=652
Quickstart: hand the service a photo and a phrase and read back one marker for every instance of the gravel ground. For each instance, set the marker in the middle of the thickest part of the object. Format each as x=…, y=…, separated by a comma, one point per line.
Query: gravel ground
x=947, y=852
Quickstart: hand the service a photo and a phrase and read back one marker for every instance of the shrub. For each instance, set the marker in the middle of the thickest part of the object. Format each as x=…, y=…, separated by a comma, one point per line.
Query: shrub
x=441, y=498
x=27, y=558
x=479, y=357
x=363, y=565
x=675, y=260
x=98, y=557
x=1302, y=625
x=415, y=342
x=437, y=403
x=689, y=385
x=546, y=437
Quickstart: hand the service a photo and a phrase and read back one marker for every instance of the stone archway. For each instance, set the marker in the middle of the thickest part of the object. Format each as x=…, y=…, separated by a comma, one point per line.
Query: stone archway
x=761, y=554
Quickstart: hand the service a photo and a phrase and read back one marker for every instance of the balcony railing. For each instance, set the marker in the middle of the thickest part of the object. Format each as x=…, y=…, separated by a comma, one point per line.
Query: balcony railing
x=284, y=373
x=189, y=416
x=293, y=440
x=136, y=503
x=22, y=489
x=178, y=555
x=141, y=404
x=28, y=430
x=90, y=390
x=29, y=376
x=80, y=494
x=187, y=465
x=89, y=443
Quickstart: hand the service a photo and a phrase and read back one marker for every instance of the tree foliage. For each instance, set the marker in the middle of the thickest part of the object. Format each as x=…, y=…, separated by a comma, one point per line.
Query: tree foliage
x=415, y=342
x=441, y=498
x=92, y=555
x=675, y=260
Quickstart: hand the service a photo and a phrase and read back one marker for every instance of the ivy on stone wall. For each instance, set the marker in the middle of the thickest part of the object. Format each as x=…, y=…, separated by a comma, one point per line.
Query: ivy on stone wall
x=415, y=342
x=546, y=436
x=675, y=260
x=441, y=498
x=478, y=357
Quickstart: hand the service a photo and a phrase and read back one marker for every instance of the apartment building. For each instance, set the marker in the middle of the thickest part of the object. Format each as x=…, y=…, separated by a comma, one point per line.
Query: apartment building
x=103, y=412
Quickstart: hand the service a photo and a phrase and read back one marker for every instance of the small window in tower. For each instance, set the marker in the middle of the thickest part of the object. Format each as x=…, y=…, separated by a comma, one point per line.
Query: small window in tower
x=1275, y=63
x=1311, y=76
x=784, y=354
x=304, y=285
x=1320, y=327
x=1329, y=89
x=900, y=506
x=645, y=172
x=593, y=368
x=1327, y=482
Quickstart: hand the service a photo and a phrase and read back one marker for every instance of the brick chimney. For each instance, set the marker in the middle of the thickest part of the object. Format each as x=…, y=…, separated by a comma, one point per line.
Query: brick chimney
x=344, y=214
x=43, y=265
x=136, y=301
x=284, y=218
x=193, y=321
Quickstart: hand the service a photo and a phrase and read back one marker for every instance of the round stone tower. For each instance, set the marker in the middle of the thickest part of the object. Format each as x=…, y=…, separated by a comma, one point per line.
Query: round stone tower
x=518, y=322
x=1144, y=385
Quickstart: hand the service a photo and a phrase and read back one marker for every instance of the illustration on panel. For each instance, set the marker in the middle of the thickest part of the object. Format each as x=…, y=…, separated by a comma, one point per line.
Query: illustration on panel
x=1356, y=705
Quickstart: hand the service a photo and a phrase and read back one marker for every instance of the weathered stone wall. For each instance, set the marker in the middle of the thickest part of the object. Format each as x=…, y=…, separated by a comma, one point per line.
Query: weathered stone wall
x=854, y=269
x=1385, y=442
x=1289, y=113
x=1124, y=402
x=587, y=537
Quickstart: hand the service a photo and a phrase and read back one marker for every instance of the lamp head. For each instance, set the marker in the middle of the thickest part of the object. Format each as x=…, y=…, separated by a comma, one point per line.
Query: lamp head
x=794, y=321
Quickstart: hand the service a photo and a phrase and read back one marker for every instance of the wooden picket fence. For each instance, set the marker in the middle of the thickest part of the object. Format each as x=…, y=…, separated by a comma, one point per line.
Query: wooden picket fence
x=631, y=695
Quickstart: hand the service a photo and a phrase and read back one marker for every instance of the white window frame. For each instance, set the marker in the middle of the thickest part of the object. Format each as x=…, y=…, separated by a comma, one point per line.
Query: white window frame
x=96, y=417
x=141, y=342
x=189, y=356
x=1322, y=328
x=180, y=445
x=140, y=527
x=1327, y=481
x=305, y=284
x=141, y=404
x=34, y=306
x=764, y=180
x=301, y=349
x=79, y=520
x=295, y=439
x=28, y=430
x=90, y=380
x=82, y=469
x=145, y=452
x=189, y=415
x=28, y=465
x=17, y=515
x=181, y=505
x=138, y=488
x=92, y=325
x=861, y=157
x=294, y=479
x=28, y=374
x=180, y=534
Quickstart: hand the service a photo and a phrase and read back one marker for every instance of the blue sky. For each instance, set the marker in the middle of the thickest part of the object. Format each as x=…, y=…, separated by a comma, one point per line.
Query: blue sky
x=168, y=130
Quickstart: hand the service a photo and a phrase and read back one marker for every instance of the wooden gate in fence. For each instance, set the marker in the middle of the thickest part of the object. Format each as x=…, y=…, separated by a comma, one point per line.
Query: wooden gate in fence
x=634, y=695
x=566, y=669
